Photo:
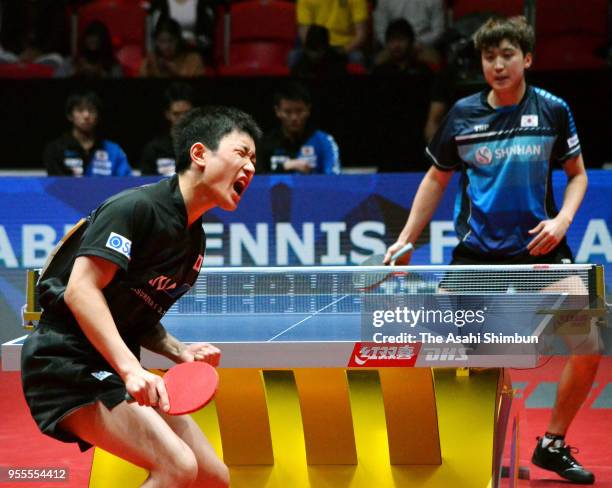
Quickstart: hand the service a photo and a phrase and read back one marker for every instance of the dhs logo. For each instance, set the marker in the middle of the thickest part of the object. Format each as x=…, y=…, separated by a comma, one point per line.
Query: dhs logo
x=377, y=355
x=120, y=244
x=484, y=155
x=446, y=353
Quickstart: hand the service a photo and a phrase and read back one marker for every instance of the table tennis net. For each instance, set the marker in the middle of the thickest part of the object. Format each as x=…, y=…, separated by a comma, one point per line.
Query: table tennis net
x=338, y=290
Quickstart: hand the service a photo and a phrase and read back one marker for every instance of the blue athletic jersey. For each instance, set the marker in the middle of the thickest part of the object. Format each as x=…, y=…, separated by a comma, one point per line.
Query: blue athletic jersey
x=108, y=160
x=319, y=149
x=506, y=158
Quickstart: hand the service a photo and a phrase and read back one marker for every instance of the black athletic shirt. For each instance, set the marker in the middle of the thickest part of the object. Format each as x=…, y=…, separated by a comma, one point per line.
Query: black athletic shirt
x=143, y=231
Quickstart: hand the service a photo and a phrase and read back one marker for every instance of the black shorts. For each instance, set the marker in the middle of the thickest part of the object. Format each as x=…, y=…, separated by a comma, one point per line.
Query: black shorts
x=62, y=371
x=501, y=282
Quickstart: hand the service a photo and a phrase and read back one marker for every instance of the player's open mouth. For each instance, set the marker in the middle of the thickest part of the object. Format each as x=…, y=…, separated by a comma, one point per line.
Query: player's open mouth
x=240, y=185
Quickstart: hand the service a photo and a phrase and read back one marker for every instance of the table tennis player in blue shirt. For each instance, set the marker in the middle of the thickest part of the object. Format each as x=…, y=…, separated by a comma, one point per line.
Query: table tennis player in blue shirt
x=505, y=141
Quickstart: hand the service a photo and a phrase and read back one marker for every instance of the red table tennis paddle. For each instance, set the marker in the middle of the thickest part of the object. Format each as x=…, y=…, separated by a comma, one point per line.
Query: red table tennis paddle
x=190, y=386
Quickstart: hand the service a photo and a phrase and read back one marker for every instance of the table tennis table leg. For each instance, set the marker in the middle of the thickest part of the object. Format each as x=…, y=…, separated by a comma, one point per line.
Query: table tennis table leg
x=411, y=390
x=242, y=411
x=326, y=415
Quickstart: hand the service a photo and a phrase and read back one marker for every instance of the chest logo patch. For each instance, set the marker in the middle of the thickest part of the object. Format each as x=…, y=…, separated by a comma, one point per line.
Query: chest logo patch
x=308, y=151
x=484, y=155
x=529, y=121
x=101, y=155
x=162, y=283
x=120, y=244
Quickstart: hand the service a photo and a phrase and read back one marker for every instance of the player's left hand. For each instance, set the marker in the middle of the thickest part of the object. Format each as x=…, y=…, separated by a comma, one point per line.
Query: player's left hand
x=548, y=234
x=201, y=351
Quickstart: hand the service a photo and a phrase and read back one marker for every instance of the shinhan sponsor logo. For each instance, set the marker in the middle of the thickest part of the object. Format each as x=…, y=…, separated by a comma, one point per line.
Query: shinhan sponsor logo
x=519, y=150
x=484, y=155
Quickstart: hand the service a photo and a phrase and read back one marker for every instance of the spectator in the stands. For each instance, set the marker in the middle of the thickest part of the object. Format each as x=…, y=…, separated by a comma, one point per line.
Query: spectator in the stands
x=318, y=60
x=346, y=21
x=296, y=146
x=462, y=74
x=399, y=58
x=196, y=18
x=425, y=16
x=81, y=151
x=95, y=58
x=158, y=155
x=171, y=58
x=33, y=31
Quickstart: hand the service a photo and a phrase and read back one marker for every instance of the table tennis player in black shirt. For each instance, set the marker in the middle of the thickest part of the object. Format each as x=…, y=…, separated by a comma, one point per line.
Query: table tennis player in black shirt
x=104, y=292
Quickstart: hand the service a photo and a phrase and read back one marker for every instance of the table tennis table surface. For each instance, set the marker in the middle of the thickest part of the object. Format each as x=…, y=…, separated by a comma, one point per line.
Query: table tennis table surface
x=315, y=322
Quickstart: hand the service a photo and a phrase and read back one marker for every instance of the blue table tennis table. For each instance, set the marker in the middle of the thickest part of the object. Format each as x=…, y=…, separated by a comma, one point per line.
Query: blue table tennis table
x=293, y=408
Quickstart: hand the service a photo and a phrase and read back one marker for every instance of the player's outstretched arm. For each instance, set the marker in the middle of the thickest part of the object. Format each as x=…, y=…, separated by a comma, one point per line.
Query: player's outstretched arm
x=424, y=205
x=549, y=233
x=90, y=275
x=577, y=181
x=159, y=340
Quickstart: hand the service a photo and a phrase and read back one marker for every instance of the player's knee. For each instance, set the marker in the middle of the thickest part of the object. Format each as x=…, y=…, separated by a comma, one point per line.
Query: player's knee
x=217, y=477
x=222, y=477
x=181, y=468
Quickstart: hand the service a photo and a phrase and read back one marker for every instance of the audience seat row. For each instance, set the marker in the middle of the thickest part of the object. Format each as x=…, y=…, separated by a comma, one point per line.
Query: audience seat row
x=254, y=37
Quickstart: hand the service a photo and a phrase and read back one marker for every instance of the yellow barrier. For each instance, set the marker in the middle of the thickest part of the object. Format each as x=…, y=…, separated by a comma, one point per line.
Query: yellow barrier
x=335, y=428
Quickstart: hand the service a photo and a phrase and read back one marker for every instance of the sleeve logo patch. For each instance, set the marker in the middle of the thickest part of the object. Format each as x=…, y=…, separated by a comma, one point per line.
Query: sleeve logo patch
x=119, y=244
x=573, y=141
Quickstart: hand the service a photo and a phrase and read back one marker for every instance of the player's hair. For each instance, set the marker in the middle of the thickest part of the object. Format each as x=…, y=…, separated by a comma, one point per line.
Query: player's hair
x=178, y=92
x=167, y=25
x=209, y=125
x=514, y=29
x=399, y=29
x=294, y=91
x=76, y=99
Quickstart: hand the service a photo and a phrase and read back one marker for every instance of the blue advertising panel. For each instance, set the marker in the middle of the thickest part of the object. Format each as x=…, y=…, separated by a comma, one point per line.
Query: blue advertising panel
x=282, y=220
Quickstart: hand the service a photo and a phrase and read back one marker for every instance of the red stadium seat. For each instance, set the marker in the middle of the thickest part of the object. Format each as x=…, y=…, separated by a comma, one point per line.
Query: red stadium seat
x=568, y=34
x=355, y=69
x=261, y=35
x=259, y=53
x=252, y=70
x=18, y=71
x=130, y=58
x=126, y=20
x=256, y=20
x=502, y=7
